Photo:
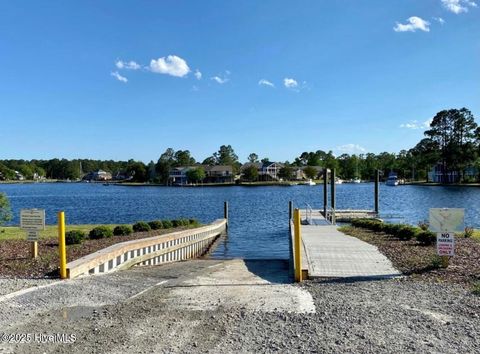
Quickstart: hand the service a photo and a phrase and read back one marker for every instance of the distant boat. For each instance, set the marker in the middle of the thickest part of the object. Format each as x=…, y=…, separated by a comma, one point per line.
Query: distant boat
x=309, y=183
x=357, y=180
x=338, y=181
x=392, y=179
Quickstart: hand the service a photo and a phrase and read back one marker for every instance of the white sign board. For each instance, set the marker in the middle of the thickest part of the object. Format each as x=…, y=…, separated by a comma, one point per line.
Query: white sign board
x=447, y=220
x=32, y=235
x=32, y=219
x=446, y=244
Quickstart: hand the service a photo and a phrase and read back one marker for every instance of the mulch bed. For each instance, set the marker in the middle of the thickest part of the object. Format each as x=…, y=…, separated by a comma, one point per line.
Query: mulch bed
x=413, y=259
x=15, y=261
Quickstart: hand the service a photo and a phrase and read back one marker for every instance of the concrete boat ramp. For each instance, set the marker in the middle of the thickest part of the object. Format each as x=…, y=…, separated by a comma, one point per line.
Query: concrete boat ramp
x=328, y=253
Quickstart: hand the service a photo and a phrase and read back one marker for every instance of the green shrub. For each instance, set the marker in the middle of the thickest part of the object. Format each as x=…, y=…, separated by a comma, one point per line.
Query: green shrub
x=476, y=288
x=426, y=237
x=193, y=222
x=391, y=229
x=424, y=225
x=141, y=226
x=100, y=232
x=469, y=232
x=74, y=237
x=122, y=230
x=156, y=224
x=167, y=224
x=406, y=232
x=177, y=223
x=436, y=262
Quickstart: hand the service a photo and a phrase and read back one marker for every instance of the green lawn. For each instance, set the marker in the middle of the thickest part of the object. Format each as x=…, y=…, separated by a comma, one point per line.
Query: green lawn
x=476, y=235
x=51, y=231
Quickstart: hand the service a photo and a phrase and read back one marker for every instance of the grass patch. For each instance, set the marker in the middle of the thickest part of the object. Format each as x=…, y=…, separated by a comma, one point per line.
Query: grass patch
x=476, y=235
x=51, y=231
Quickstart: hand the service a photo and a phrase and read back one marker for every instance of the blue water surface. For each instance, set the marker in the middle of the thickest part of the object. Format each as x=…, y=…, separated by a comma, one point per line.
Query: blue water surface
x=258, y=215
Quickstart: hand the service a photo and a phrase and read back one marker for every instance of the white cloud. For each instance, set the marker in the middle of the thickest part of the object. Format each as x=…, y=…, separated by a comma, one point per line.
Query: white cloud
x=439, y=20
x=171, y=65
x=221, y=80
x=264, y=82
x=351, y=149
x=119, y=77
x=415, y=124
x=458, y=6
x=131, y=65
x=290, y=83
x=413, y=23
x=198, y=74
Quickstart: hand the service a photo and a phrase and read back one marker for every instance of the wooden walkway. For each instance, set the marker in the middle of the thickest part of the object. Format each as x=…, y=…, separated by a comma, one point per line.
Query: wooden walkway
x=328, y=253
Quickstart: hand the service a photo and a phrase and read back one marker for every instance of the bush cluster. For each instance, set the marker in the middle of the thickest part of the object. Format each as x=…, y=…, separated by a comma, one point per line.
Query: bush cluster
x=141, y=226
x=122, y=230
x=100, y=232
x=74, y=237
x=156, y=224
x=401, y=231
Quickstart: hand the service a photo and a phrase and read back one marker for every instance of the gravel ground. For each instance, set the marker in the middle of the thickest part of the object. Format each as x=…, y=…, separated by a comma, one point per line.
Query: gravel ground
x=389, y=316
x=10, y=285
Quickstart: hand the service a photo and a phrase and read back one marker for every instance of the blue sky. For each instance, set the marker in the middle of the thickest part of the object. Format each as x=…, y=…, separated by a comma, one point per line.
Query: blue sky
x=119, y=80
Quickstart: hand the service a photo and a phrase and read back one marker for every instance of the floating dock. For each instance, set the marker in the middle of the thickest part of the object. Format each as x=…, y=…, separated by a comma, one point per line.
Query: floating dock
x=328, y=253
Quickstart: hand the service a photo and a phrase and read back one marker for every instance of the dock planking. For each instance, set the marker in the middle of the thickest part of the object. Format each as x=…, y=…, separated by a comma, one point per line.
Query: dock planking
x=328, y=253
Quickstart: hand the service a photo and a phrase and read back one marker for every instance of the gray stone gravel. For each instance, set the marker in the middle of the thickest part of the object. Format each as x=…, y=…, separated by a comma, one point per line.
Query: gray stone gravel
x=10, y=285
x=389, y=316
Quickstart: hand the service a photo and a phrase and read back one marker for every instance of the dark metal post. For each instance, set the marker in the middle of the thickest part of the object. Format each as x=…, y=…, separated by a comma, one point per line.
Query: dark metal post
x=332, y=196
x=377, y=182
x=225, y=211
x=325, y=192
x=290, y=211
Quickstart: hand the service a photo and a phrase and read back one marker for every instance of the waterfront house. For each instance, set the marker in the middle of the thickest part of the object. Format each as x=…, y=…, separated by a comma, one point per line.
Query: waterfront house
x=438, y=174
x=218, y=174
x=267, y=171
x=299, y=174
x=178, y=175
x=19, y=176
x=99, y=175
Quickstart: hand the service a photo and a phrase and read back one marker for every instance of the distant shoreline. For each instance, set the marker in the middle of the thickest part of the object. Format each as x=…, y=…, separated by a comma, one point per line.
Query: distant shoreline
x=432, y=184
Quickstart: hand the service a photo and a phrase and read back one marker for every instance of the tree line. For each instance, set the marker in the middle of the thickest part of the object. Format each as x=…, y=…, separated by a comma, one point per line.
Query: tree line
x=452, y=142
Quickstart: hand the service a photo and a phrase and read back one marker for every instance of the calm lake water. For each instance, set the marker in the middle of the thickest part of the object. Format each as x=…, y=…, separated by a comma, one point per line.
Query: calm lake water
x=258, y=215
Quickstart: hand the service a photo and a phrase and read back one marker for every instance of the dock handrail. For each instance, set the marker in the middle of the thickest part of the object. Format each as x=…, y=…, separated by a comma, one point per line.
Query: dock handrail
x=175, y=246
x=308, y=213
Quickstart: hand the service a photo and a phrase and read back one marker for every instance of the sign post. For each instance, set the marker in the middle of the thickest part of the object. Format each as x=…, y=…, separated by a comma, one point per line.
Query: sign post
x=445, y=222
x=32, y=221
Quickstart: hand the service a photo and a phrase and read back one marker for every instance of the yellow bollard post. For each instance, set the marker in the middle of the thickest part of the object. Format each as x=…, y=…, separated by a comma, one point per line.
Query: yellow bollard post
x=297, y=240
x=61, y=245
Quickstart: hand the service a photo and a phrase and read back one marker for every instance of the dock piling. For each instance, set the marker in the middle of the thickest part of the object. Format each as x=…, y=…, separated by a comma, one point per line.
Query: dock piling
x=325, y=191
x=296, y=246
x=225, y=211
x=332, y=193
x=377, y=182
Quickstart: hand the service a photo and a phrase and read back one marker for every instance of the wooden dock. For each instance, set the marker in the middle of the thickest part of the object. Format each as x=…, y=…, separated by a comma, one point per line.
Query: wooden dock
x=328, y=253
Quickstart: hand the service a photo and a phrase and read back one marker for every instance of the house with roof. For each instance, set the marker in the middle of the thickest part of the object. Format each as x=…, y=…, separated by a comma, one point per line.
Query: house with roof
x=267, y=171
x=218, y=174
x=299, y=174
x=438, y=174
x=98, y=175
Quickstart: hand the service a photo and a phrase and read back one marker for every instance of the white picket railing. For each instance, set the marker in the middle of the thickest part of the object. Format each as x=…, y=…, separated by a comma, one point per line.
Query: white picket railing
x=172, y=247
